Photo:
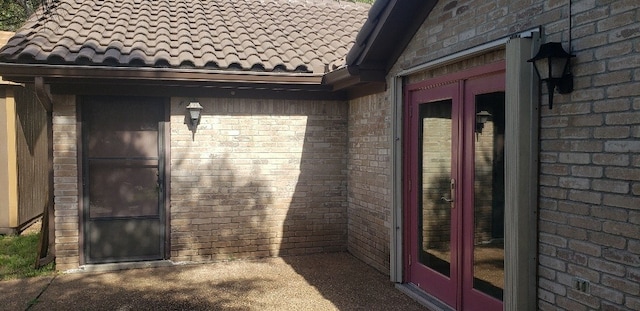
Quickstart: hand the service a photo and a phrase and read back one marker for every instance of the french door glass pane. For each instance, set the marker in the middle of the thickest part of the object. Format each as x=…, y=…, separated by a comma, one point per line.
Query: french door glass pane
x=434, y=229
x=488, y=251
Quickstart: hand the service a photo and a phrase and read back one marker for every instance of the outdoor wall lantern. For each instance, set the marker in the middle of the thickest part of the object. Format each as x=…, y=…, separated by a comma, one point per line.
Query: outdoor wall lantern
x=194, y=110
x=552, y=64
x=482, y=118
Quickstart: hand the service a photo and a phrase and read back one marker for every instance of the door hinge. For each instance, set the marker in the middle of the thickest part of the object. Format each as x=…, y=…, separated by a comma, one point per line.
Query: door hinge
x=409, y=259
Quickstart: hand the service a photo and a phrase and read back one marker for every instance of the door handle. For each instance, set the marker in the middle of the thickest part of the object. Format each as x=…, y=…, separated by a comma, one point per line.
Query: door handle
x=452, y=193
x=159, y=183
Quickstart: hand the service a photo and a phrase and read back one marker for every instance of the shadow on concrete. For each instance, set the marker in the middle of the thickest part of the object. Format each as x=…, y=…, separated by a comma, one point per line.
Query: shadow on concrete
x=317, y=222
x=335, y=281
x=170, y=288
x=350, y=284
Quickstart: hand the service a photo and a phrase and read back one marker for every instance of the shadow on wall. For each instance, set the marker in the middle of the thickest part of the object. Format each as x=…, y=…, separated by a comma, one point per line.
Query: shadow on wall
x=220, y=215
x=316, y=219
x=269, y=179
x=32, y=155
x=317, y=222
x=258, y=179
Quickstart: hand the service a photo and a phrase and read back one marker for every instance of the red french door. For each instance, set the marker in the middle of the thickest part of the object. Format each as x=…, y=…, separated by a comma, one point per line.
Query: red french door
x=454, y=187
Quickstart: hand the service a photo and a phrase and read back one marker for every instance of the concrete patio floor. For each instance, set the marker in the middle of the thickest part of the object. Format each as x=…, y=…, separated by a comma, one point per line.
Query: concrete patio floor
x=335, y=281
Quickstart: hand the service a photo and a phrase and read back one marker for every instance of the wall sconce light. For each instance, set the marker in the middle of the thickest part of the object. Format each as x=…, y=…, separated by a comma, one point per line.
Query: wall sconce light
x=552, y=64
x=194, y=110
x=482, y=117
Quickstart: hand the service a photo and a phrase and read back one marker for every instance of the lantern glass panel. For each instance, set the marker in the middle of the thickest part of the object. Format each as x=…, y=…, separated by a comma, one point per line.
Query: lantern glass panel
x=542, y=66
x=194, y=113
x=558, y=66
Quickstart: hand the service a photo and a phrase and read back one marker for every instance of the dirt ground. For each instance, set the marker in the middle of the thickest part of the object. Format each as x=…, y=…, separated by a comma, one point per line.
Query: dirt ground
x=336, y=281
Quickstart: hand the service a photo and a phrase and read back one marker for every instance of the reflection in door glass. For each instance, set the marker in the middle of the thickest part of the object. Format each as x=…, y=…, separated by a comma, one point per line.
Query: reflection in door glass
x=435, y=165
x=488, y=251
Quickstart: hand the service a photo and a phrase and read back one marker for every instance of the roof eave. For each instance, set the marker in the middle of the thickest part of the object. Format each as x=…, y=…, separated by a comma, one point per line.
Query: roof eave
x=378, y=45
x=397, y=17
x=350, y=76
x=356, y=81
x=26, y=72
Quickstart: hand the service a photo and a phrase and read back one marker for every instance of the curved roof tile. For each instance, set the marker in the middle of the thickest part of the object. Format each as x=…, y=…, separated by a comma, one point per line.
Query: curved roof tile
x=31, y=50
x=259, y=35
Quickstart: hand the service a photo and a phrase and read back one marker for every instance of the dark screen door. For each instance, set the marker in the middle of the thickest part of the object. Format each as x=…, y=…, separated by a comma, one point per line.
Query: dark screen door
x=123, y=179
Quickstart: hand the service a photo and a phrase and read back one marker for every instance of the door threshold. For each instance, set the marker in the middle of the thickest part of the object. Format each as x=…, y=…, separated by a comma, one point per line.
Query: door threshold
x=106, y=267
x=423, y=298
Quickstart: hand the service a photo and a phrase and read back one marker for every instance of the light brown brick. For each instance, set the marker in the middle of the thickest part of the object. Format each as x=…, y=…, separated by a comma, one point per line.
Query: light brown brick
x=585, y=247
x=608, y=240
x=612, y=132
x=624, y=229
x=610, y=186
x=622, y=173
x=569, y=304
x=574, y=158
x=611, y=159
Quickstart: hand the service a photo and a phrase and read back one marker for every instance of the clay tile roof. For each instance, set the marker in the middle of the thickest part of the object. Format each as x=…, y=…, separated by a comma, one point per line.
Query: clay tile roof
x=308, y=36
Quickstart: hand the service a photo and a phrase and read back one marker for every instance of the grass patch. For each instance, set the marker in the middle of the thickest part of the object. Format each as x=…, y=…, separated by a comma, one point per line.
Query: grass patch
x=18, y=255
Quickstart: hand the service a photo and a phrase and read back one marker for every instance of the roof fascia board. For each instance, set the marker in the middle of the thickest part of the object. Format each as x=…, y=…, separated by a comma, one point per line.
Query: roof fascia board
x=410, y=32
x=26, y=72
x=226, y=90
x=337, y=76
x=350, y=76
x=384, y=15
x=385, y=29
x=373, y=59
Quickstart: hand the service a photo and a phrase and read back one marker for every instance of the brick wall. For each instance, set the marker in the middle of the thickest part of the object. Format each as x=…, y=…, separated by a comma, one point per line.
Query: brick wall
x=258, y=178
x=369, y=180
x=590, y=170
x=65, y=175
x=590, y=164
